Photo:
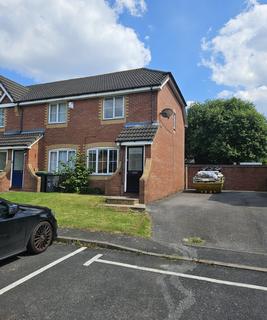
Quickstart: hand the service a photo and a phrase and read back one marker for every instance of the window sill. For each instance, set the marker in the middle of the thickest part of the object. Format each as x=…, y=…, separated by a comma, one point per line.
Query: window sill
x=113, y=121
x=57, y=125
x=103, y=177
x=117, y=118
x=102, y=174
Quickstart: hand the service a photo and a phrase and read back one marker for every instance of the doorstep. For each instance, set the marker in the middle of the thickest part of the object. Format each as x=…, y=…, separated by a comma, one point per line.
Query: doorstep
x=125, y=207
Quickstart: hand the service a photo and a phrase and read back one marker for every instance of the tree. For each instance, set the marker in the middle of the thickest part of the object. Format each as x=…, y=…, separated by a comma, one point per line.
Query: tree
x=74, y=175
x=226, y=131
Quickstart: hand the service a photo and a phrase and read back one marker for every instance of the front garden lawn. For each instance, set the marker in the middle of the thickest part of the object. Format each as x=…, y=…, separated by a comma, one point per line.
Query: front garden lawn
x=86, y=212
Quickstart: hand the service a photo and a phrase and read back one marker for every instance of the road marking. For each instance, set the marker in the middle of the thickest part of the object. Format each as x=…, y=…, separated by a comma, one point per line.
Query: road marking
x=183, y=275
x=35, y=273
x=87, y=263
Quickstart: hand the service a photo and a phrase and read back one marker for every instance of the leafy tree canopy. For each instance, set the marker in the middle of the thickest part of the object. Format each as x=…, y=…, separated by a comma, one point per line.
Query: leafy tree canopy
x=226, y=131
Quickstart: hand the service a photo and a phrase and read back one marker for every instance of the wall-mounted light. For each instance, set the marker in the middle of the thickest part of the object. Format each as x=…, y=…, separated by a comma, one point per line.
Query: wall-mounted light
x=71, y=104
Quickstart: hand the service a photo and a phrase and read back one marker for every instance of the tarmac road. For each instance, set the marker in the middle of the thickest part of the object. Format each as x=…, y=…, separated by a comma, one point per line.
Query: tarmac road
x=104, y=284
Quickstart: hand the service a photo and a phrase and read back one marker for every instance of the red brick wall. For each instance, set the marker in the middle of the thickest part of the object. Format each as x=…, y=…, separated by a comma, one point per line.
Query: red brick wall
x=84, y=125
x=250, y=178
x=167, y=151
x=12, y=119
x=30, y=181
x=4, y=182
x=6, y=100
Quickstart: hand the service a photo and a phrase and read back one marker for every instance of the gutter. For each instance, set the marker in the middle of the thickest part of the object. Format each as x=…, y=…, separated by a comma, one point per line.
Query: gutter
x=79, y=97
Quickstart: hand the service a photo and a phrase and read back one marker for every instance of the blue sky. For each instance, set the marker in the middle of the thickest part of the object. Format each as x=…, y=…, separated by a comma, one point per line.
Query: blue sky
x=186, y=37
x=175, y=29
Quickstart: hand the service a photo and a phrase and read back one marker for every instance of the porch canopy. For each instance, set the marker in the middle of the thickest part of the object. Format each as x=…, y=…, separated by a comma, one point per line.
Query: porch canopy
x=137, y=133
x=23, y=140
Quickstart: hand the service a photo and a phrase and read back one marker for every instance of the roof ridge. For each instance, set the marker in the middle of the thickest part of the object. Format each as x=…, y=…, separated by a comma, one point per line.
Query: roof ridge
x=97, y=75
x=155, y=70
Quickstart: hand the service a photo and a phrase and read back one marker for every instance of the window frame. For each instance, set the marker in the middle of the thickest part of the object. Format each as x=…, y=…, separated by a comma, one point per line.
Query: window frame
x=2, y=117
x=113, y=108
x=57, y=112
x=96, y=149
x=4, y=151
x=57, y=151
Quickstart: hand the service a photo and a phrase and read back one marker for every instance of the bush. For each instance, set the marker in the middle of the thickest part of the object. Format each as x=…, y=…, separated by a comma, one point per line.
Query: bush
x=89, y=190
x=74, y=175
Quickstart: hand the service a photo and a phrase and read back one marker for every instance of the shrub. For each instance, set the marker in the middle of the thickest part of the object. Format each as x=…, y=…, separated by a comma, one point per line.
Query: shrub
x=90, y=190
x=74, y=175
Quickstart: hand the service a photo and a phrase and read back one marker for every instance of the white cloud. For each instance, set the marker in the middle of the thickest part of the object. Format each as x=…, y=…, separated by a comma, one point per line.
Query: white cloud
x=189, y=103
x=237, y=56
x=48, y=40
x=135, y=7
x=256, y=95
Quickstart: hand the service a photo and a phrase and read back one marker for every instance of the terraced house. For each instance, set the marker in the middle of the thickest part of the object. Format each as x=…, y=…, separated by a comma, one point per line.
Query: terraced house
x=130, y=124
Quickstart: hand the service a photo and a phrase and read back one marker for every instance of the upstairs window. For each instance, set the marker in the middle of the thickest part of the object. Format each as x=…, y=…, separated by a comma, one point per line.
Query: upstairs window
x=103, y=160
x=2, y=118
x=113, y=108
x=57, y=157
x=58, y=113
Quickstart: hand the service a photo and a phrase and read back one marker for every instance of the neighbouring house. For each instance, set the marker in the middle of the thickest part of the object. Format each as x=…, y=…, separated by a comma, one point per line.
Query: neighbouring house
x=130, y=124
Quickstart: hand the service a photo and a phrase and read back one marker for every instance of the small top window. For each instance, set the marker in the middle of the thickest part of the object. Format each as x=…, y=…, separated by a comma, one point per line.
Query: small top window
x=58, y=113
x=2, y=118
x=113, y=108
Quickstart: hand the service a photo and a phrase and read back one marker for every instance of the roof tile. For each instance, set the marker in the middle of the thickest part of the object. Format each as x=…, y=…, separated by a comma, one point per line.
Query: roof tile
x=137, y=132
x=18, y=140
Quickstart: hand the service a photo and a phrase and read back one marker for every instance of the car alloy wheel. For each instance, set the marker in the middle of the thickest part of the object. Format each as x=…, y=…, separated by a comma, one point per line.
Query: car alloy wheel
x=41, y=237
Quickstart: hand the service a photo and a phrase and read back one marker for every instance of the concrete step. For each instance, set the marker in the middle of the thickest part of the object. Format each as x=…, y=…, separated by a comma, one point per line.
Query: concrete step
x=122, y=201
x=125, y=207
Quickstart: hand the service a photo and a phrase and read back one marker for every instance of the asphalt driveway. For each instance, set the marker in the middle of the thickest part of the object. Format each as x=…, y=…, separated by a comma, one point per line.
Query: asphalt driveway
x=229, y=220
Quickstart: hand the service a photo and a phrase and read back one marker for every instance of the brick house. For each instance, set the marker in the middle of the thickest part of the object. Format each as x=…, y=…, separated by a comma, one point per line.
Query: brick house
x=116, y=119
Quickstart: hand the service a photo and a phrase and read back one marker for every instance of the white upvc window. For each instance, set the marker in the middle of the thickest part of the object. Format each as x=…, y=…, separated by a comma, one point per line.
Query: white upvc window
x=3, y=159
x=2, y=118
x=59, y=156
x=102, y=161
x=113, y=108
x=58, y=112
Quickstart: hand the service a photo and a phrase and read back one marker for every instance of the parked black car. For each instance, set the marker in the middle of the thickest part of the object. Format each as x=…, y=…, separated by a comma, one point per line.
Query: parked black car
x=25, y=227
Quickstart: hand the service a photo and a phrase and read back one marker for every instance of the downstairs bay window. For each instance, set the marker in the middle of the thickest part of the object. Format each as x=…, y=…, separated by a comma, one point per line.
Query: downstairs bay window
x=102, y=160
x=59, y=156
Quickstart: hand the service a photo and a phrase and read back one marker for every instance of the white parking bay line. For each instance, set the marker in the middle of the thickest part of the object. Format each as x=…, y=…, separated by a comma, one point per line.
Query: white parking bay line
x=87, y=263
x=35, y=273
x=183, y=275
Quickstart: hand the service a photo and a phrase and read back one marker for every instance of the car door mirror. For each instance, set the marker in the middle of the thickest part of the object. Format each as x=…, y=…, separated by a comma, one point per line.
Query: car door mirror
x=12, y=209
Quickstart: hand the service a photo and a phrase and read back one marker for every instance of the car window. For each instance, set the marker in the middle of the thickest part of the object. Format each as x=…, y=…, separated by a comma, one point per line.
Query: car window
x=3, y=209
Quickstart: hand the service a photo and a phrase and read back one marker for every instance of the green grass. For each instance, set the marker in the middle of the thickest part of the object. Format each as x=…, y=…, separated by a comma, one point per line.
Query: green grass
x=86, y=212
x=194, y=240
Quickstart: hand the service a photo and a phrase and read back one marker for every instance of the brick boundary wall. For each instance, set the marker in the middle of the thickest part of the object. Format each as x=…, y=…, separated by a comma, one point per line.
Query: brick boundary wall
x=237, y=177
